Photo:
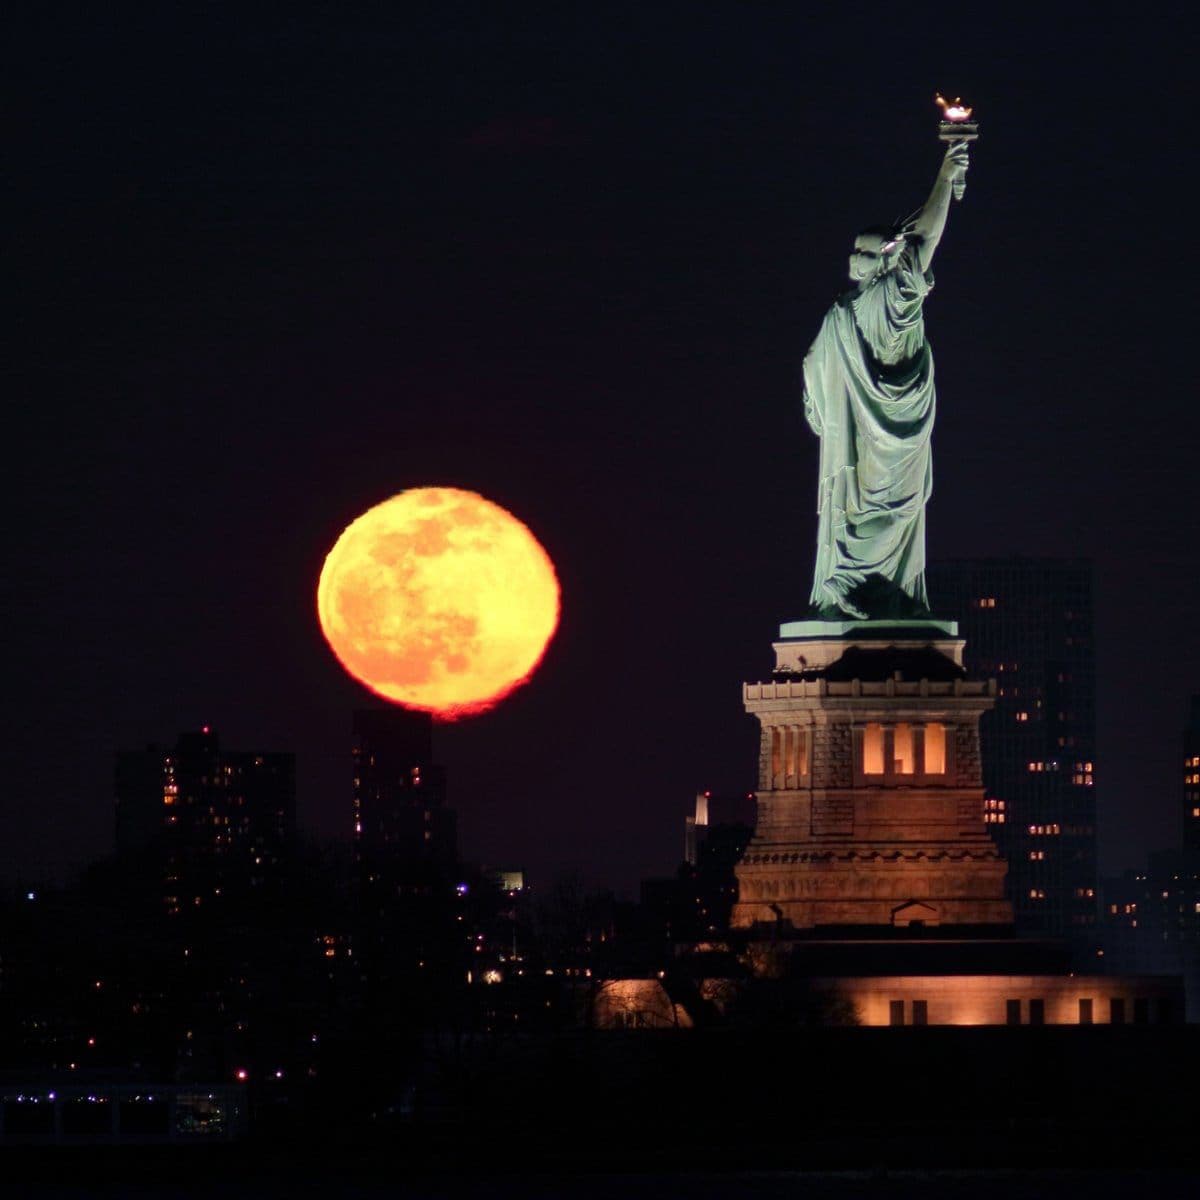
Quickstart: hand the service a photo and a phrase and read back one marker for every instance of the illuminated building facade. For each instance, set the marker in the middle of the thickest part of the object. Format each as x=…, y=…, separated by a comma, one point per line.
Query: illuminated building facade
x=1191, y=781
x=1011, y=999
x=871, y=875
x=870, y=797
x=1028, y=625
x=216, y=822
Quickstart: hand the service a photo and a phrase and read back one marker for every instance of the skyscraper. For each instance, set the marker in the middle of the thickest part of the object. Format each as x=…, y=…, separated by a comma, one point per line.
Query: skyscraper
x=214, y=822
x=1150, y=922
x=404, y=834
x=1191, y=782
x=406, y=851
x=1028, y=624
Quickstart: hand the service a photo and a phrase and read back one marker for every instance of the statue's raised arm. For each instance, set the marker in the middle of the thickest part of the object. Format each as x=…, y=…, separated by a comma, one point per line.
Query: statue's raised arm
x=869, y=397
x=930, y=221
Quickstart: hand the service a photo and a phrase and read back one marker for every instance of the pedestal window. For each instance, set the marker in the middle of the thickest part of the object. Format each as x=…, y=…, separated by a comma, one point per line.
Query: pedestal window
x=935, y=748
x=903, y=759
x=789, y=755
x=903, y=753
x=872, y=749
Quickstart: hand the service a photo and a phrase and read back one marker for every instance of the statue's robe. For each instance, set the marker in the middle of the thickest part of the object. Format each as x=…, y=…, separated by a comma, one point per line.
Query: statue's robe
x=869, y=397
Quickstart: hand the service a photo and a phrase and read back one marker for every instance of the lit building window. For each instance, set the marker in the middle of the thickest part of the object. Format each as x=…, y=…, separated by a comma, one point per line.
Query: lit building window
x=935, y=750
x=797, y=752
x=1045, y=830
x=873, y=749
x=902, y=750
x=1037, y=893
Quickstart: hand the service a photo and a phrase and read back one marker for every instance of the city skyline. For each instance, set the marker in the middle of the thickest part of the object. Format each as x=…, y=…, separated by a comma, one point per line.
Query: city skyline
x=273, y=281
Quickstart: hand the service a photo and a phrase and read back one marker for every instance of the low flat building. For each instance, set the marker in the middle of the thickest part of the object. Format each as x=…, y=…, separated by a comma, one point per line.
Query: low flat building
x=1010, y=999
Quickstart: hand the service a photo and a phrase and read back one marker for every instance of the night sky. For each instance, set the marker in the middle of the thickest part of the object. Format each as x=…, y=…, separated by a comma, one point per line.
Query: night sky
x=272, y=270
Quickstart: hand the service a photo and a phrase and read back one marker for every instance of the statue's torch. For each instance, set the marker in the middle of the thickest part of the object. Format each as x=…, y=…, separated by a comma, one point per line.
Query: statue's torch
x=956, y=126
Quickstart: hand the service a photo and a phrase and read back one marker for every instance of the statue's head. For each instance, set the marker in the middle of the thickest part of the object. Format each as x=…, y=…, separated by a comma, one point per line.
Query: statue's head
x=876, y=251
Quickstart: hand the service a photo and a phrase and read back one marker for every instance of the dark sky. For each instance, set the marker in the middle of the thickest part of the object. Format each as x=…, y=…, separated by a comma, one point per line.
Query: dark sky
x=272, y=270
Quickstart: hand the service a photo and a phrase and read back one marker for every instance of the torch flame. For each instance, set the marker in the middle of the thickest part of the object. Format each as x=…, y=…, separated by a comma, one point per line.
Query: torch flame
x=952, y=110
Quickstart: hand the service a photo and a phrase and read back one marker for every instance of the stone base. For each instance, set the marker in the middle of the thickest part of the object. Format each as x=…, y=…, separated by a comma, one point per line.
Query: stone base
x=800, y=915
x=896, y=839
x=851, y=630
x=814, y=645
x=820, y=885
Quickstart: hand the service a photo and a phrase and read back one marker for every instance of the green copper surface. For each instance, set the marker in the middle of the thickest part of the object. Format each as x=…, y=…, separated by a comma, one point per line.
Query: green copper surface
x=889, y=629
x=869, y=397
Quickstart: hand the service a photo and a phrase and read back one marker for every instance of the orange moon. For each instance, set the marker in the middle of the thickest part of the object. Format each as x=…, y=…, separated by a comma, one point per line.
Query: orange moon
x=440, y=600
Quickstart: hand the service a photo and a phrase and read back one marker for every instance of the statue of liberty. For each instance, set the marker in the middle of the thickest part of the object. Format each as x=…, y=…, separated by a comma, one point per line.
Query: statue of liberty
x=869, y=397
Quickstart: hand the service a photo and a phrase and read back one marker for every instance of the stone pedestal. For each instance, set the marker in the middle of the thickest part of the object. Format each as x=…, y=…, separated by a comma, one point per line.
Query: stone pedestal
x=870, y=796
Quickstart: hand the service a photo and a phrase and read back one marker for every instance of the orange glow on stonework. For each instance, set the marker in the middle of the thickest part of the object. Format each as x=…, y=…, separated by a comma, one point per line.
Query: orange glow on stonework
x=438, y=599
x=873, y=749
x=935, y=749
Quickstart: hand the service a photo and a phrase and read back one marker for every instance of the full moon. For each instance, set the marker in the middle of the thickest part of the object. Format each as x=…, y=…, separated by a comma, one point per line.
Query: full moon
x=438, y=599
